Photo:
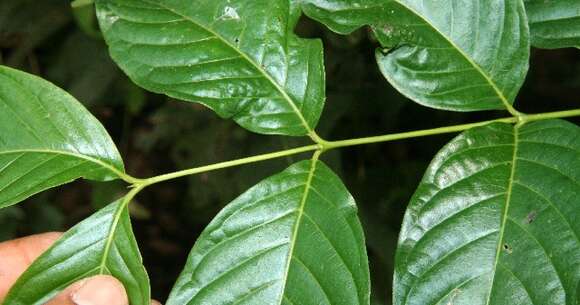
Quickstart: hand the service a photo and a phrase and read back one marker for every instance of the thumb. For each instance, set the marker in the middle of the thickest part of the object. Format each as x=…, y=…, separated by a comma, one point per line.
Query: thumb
x=96, y=290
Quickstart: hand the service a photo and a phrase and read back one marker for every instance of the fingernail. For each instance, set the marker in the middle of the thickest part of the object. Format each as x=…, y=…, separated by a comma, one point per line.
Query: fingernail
x=100, y=290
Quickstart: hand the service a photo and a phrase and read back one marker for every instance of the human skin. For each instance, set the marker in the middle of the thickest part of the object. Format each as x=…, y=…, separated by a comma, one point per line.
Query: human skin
x=16, y=255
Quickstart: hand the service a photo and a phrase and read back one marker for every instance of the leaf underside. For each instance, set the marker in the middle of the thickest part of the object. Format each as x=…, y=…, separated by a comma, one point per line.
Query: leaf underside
x=455, y=55
x=101, y=244
x=239, y=58
x=48, y=139
x=496, y=220
x=554, y=24
x=294, y=238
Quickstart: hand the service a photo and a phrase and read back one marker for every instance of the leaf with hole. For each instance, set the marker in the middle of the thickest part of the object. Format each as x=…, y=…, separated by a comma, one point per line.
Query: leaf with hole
x=455, y=55
x=496, y=220
x=48, y=139
x=294, y=238
x=239, y=58
x=101, y=244
x=554, y=24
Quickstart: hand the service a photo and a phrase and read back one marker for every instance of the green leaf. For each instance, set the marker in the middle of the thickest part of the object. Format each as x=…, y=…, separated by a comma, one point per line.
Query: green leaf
x=294, y=238
x=443, y=54
x=47, y=139
x=554, y=23
x=239, y=58
x=496, y=220
x=101, y=244
x=84, y=14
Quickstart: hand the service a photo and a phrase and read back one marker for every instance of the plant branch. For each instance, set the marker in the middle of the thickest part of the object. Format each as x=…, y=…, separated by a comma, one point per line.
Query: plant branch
x=411, y=134
x=523, y=118
x=211, y=167
x=324, y=145
x=550, y=115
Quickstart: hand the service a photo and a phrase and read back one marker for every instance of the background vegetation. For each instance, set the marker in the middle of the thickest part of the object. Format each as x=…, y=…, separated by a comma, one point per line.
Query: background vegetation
x=61, y=44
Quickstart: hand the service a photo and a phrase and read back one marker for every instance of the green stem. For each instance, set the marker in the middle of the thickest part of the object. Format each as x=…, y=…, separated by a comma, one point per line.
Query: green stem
x=550, y=115
x=327, y=145
x=448, y=129
x=513, y=110
x=411, y=134
x=231, y=163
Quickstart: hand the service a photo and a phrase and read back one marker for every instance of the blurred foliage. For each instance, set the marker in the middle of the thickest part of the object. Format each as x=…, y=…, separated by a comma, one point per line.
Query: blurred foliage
x=157, y=135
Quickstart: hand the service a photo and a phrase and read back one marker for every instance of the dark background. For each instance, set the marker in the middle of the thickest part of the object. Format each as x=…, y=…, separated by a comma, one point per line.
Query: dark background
x=157, y=135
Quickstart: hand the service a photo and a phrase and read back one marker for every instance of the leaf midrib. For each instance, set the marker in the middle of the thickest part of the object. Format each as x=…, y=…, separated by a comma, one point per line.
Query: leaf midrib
x=476, y=66
x=112, y=231
x=265, y=74
x=505, y=211
x=300, y=214
x=105, y=165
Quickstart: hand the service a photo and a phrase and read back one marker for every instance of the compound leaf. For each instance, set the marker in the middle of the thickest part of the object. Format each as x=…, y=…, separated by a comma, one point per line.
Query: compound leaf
x=294, y=238
x=496, y=220
x=101, y=244
x=554, y=23
x=456, y=55
x=239, y=58
x=48, y=138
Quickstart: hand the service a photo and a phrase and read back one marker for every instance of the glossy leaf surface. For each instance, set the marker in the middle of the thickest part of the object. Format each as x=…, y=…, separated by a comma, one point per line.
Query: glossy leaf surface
x=496, y=220
x=239, y=58
x=101, y=244
x=555, y=23
x=456, y=55
x=47, y=138
x=294, y=238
